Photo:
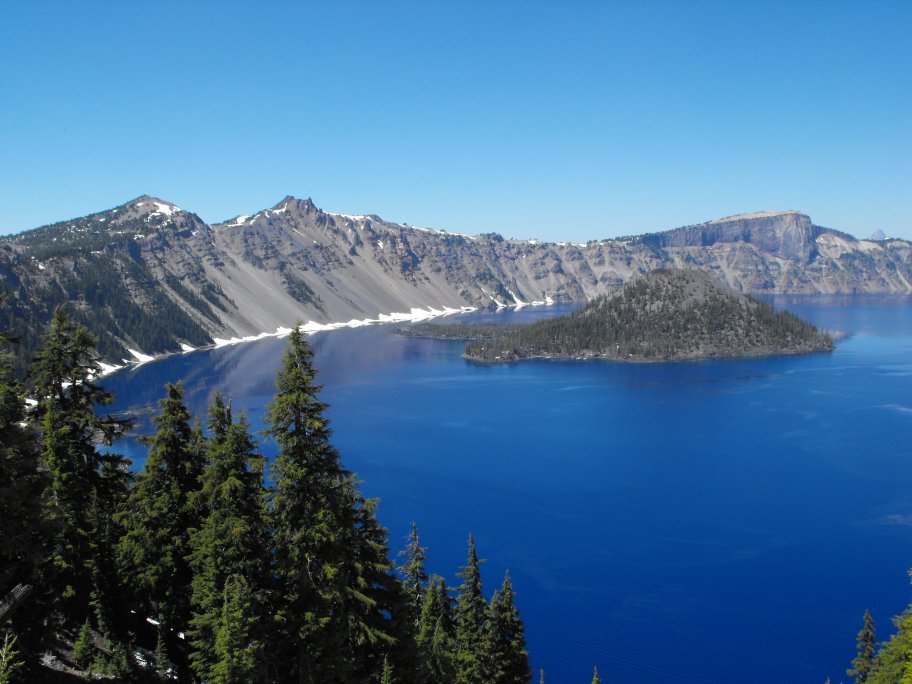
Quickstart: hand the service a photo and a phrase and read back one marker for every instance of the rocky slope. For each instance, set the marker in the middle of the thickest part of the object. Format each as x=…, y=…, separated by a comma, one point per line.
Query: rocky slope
x=152, y=277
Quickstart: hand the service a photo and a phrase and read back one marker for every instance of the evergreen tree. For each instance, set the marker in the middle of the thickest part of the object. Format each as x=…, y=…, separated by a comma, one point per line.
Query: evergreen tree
x=9, y=659
x=309, y=511
x=83, y=652
x=70, y=429
x=471, y=623
x=386, y=676
x=595, y=677
x=239, y=650
x=233, y=539
x=436, y=640
x=541, y=676
x=507, y=657
x=21, y=484
x=161, y=510
x=161, y=657
x=24, y=532
x=413, y=572
x=864, y=661
x=893, y=663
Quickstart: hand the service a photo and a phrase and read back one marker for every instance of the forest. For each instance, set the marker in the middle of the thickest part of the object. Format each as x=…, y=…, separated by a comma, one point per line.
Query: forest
x=211, y=565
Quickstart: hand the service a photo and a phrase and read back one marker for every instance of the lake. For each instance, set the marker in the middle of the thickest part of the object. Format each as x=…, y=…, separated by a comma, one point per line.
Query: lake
x=716, y=521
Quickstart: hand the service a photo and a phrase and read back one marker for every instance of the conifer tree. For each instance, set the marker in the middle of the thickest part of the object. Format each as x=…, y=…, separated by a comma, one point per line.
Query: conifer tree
x=864, y=661
x=161, y=510
x=506, y=654
x=386, y=677
x=595, y=677
x=471, y=623
x=436, y=640
x=233, y=539
x=62, y=375
x=413, y=572
x=24, y=533
x=83, y=653
x=238, y=646
x=21, y=484
x=308, y=515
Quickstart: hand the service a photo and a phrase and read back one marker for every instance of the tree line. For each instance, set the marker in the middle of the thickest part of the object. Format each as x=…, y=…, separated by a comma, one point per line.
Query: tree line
x=210, y=565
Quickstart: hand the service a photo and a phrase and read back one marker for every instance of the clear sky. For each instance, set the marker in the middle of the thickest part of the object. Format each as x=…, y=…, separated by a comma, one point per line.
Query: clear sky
x=553, y=120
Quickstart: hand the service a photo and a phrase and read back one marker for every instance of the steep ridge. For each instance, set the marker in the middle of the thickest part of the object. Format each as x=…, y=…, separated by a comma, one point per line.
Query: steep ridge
x=154, y=278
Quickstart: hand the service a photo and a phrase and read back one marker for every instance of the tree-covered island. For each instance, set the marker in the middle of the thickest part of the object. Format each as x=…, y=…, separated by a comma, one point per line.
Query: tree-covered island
x=662, y=316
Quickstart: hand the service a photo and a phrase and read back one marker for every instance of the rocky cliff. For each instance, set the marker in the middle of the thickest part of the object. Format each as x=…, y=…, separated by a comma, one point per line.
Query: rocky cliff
x=152, y=277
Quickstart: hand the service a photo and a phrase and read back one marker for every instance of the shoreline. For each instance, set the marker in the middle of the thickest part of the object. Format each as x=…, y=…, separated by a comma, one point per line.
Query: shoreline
x=415, y=315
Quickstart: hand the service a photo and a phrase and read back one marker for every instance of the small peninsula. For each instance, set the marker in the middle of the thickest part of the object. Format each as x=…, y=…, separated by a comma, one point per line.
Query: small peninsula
x=664, y=315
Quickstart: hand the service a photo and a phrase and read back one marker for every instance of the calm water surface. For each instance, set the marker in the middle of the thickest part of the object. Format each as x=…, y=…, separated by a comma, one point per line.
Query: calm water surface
x=723, y=521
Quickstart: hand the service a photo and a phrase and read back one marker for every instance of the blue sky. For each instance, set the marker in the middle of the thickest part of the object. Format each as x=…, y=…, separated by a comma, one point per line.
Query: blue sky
x=559, y=121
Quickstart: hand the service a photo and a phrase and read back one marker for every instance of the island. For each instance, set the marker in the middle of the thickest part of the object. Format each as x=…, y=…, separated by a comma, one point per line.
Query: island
x=664, y=315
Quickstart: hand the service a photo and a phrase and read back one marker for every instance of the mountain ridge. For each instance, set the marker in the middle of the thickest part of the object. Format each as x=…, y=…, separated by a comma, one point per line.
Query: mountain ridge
x=150, y=276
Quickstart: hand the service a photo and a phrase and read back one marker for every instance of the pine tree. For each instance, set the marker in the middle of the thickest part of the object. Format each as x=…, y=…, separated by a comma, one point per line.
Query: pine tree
x=415, y=576
x=161, y=657
x=471, y=623
x=436, y=639
x=233, y=539
x=83, y=652
x=161, y=510
x=541, y=676
x=864, y=661
x=595, y=677
x=506, y=655
x=70, y=429
x=25, y=534
x=9, y=659
x=239, y=650
x=386, y=677
x=309, y=510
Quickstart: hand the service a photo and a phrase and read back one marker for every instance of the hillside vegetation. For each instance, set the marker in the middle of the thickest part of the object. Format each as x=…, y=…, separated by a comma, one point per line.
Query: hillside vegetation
x=664, y=315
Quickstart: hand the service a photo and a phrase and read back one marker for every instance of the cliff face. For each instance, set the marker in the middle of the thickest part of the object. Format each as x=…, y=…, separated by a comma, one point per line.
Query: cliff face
x=150, y=276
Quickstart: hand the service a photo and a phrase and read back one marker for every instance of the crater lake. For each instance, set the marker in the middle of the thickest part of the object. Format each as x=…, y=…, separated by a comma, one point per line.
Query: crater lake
x=712, y=521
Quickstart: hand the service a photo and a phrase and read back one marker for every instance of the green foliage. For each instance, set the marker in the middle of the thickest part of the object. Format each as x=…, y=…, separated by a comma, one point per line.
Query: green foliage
x=238, y=649
x=386, y=677
x=595, y=677
x=663, y=315
x=83, y=647
x=23, y=536
x=9, y=659
x=160, y=661
x=159, y=514
x=302, y=589
x=506, y=655
x=335, y=580
x=471, y=623
x=436, y=638
x=413, y=572
x=233, y=540
x=864, y=661
x=82, y=479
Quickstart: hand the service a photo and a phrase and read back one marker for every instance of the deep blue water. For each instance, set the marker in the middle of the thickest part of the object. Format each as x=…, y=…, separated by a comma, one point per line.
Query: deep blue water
x=722, y=521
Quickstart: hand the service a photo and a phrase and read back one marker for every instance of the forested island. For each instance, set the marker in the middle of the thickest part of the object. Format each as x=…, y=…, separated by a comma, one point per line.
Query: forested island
x=664, y=315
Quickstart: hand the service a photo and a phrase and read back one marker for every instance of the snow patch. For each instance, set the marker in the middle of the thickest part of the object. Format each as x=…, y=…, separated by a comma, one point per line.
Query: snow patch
x=166, y=209
x=139, y=356
x=187, y=348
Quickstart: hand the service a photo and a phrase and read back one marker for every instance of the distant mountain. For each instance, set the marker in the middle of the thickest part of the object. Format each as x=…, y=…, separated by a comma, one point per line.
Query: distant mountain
x=666, y=314
x=154, y=278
